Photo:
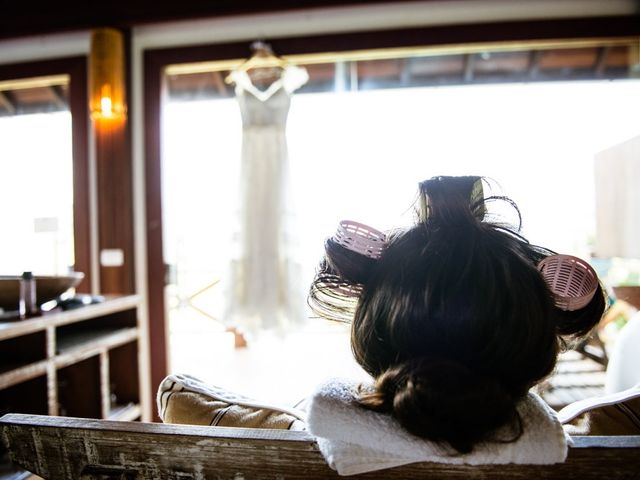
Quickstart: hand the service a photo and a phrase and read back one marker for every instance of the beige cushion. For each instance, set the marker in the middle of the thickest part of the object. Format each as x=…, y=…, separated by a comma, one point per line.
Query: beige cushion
x=186, y=400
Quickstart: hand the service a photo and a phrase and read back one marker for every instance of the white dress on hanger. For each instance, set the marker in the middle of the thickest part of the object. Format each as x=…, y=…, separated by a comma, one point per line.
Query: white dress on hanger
x=265, y=290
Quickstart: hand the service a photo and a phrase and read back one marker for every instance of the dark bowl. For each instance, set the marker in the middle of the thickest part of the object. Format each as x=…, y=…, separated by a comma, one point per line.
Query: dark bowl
x=47, y=288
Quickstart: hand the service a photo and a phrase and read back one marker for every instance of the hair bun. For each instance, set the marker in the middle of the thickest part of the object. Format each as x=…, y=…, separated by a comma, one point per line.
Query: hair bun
x=446, y=199
x=445, y=401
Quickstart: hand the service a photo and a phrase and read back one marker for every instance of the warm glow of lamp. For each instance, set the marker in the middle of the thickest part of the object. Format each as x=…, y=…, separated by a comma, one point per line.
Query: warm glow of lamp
x=106, y=107
x=106, y=75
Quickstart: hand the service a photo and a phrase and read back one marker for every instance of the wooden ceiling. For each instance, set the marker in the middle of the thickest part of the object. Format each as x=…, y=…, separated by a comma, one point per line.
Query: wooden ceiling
x=16, y=100
x=20, y=18
x=528, y=65
x=36, y=17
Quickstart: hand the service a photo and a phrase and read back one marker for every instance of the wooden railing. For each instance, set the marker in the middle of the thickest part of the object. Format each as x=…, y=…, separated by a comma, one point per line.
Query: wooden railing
x=73, y=448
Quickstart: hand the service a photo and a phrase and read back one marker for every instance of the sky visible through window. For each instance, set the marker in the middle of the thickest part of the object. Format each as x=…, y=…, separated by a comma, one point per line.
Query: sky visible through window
x=36, y=194
x=360, y=156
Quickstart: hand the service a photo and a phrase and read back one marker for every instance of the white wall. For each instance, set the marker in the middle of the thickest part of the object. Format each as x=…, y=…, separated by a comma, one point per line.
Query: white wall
x=618, y=200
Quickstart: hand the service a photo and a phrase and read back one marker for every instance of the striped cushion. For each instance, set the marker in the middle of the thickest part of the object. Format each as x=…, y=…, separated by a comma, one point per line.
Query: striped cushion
x=186, y=400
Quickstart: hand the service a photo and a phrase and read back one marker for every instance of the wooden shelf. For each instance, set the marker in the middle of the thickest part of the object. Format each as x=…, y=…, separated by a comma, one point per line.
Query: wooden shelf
x=110, y=306
x=77, y=363
x=27, y=396
x=16, y=374
x=84, y=344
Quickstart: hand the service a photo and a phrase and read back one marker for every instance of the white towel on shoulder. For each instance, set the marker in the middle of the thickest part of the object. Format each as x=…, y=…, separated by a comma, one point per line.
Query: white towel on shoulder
x=355, y=440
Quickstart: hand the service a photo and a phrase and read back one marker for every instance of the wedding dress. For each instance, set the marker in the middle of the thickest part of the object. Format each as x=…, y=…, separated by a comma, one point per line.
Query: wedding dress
x=265, y=290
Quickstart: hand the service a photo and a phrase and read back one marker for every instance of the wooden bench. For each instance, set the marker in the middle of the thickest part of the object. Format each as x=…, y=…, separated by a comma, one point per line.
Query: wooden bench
x=71, y=448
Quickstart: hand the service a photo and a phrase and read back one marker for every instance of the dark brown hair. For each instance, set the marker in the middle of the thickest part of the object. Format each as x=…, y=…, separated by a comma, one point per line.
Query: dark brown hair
x=454, y=321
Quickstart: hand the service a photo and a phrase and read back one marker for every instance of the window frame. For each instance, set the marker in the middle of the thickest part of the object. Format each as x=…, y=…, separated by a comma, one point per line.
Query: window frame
x=155, y=60
x=76, y=69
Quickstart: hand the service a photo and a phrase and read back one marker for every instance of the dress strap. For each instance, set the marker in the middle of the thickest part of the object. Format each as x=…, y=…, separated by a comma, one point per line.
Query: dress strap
x=291, y=79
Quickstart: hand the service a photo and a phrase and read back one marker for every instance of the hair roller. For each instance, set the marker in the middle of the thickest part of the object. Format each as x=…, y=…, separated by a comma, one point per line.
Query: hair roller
x=572, y=281
x=361, y=239
x=349, y=258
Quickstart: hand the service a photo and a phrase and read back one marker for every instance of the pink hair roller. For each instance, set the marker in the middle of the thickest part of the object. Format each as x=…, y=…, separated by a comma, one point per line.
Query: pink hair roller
x=361, y=239
x=572, y=281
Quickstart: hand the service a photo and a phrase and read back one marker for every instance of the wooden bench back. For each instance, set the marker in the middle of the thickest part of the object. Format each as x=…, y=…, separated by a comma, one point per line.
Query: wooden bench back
x=72, y=448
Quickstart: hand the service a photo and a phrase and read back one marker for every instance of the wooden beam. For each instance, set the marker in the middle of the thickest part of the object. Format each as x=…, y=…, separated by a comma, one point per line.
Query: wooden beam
x=19, y=19
x=7, y=103
x=405, y=72
x=534, y=63
x=115, y=204
x=115, y=199
x=353, y=76
x=600, y=64
x=469, y=64
x=58, y=97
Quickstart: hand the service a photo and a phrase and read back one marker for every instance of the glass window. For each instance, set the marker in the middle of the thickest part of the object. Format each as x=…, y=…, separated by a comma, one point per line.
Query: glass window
x=36, y=174
x=361, y=134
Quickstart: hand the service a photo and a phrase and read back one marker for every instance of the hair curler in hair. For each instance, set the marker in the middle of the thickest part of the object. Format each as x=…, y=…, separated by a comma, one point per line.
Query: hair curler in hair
x=572, y=281
x=360, y=238
x=350, y=256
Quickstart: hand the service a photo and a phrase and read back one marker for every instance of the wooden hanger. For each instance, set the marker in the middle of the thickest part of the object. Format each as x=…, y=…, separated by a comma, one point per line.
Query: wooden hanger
x=263, y=57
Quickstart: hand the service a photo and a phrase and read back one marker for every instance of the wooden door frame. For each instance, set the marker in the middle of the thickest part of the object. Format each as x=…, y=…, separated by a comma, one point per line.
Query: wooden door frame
x=76, y=68
x=156, y=60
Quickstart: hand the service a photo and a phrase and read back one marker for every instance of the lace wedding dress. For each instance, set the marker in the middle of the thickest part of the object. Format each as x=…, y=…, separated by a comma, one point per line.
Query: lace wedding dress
x=264, y=289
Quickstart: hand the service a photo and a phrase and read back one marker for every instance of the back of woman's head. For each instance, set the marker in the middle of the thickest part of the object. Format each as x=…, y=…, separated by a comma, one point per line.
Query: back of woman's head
x=453, y=319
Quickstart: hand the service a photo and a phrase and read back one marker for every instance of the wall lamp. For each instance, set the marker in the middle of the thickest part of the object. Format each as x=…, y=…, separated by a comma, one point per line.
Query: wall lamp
x=107, y=75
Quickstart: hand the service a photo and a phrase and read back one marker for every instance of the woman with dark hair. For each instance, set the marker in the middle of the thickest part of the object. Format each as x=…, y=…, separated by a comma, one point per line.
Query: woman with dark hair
x=456, y=318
